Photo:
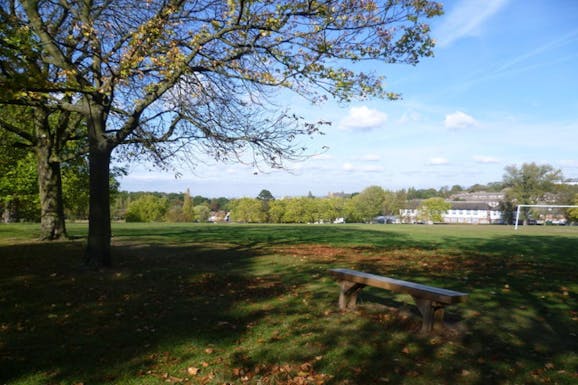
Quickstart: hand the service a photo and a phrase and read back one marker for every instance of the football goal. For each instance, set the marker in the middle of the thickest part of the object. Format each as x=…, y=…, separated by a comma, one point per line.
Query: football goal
x=549, y=212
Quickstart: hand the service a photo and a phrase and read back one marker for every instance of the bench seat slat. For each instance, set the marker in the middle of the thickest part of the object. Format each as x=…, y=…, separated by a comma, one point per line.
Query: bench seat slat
x=423, y=291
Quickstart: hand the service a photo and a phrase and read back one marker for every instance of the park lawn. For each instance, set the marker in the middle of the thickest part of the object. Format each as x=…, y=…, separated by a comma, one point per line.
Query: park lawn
x=253, y=304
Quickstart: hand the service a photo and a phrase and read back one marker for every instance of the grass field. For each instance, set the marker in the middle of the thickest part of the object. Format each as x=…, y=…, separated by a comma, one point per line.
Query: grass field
x=243, y=304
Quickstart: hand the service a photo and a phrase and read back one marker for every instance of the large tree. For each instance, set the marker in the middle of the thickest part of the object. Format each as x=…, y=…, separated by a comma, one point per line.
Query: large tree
x=529, y=183
x=167, y=75
x=33, y=120
x=52, y=136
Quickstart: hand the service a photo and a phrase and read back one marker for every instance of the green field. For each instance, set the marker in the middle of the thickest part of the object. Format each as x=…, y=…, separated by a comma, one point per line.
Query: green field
x=249, y=304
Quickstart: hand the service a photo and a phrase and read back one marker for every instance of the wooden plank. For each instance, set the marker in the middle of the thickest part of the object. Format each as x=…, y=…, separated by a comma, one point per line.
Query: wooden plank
x=396, y=285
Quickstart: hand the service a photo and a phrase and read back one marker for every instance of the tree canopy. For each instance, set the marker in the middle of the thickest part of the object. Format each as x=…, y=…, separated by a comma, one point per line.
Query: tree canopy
x=167, y=76
x=528, y=183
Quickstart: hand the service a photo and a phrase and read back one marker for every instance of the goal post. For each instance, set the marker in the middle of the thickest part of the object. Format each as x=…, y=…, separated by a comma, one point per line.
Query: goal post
x=542, y=206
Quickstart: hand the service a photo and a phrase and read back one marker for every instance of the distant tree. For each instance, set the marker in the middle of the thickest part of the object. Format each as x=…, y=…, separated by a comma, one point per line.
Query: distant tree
x=220, y=203
x=277, y=210
x=413, y=193
x=188, y=214
x=147, y=208
x=528, y=184
x=572, y=213
x=265, y=197
x=477, y=187
x=393, y=202
x=495, y=186
x=198, y=200
x=311, y=209
x=369, y=203
x=432, y=209
x=332, y=208
x=247, y=210
x=18, y=186
x=508, y=210
x=295, y=211
x=456, y=189
x=201, y=213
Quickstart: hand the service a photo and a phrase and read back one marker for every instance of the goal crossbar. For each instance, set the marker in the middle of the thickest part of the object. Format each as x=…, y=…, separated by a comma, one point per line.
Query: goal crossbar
x=544, y=206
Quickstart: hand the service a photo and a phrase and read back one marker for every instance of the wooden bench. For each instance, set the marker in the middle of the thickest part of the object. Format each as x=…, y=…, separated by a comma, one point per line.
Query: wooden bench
x=429, y=300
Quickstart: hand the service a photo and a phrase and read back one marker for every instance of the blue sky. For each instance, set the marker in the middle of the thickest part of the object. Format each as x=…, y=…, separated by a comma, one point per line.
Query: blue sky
x=502, y=89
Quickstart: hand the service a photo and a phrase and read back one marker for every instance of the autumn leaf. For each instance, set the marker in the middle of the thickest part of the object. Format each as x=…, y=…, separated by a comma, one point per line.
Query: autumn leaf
x=193, y=371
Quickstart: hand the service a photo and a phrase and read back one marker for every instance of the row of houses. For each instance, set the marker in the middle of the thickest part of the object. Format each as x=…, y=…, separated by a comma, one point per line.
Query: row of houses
x=460, y=212
x=470, y=208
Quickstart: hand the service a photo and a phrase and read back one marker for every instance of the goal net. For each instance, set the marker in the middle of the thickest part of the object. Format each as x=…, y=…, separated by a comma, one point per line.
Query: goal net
x=542, y=214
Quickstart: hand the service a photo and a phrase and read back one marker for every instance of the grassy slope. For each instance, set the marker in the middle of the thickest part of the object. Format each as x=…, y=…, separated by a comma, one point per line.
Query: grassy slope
x=217, y=304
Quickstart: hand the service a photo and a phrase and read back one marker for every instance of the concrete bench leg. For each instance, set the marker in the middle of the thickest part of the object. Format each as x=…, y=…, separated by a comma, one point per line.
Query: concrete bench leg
x=432, y=313
x=348, y=294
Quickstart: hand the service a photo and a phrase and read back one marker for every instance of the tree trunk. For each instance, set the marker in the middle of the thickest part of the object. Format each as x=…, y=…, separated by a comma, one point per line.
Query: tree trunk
x=52, y=221
x=98, y=249
x=98, y=252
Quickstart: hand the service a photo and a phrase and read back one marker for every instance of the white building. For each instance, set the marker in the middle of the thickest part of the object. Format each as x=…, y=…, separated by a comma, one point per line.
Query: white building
x=473, y=213
x=470, y=212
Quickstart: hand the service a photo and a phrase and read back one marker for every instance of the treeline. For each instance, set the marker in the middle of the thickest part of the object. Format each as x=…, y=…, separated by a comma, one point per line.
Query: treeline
x=362, y=207
x=20, y=199
x=166, y=207
x=265, y=208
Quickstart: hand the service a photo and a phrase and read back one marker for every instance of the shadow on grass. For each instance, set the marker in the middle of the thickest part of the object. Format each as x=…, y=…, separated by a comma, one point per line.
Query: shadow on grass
x=66, y=324
x=242, y=308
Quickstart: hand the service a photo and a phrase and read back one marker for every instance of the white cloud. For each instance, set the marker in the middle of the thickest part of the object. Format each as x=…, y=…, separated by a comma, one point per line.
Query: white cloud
x=459, y=120
x=466, y=19
x=363, y=118
x=438, y=161
x=485, y=159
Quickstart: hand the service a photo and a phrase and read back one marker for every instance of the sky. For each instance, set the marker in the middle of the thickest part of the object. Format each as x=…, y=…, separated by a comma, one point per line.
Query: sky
x=502, y=89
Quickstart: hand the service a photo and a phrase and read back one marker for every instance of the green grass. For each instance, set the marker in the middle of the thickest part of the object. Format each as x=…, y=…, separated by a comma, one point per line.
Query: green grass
x=242, y=304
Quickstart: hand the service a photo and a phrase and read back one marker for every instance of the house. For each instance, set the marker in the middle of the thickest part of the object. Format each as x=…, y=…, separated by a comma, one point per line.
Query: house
x=471, y=212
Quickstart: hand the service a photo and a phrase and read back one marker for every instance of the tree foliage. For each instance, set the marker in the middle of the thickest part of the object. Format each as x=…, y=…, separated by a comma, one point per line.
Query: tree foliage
x=167, y=75
x=248, y=210
x=147, y=208
x=18, y=186
x=529, y=183
x=432, y=209
x=369, y=203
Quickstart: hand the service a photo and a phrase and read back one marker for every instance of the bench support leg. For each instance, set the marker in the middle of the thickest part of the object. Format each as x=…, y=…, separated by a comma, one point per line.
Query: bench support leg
x=348, y=294
x=432, y=313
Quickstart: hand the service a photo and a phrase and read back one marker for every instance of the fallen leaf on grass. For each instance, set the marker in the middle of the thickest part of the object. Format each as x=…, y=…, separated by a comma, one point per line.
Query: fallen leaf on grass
x=193, y=371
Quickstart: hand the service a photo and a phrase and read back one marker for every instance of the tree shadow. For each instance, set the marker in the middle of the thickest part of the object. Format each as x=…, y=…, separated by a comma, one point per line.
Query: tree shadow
x=271, y=315
x=93, y=325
